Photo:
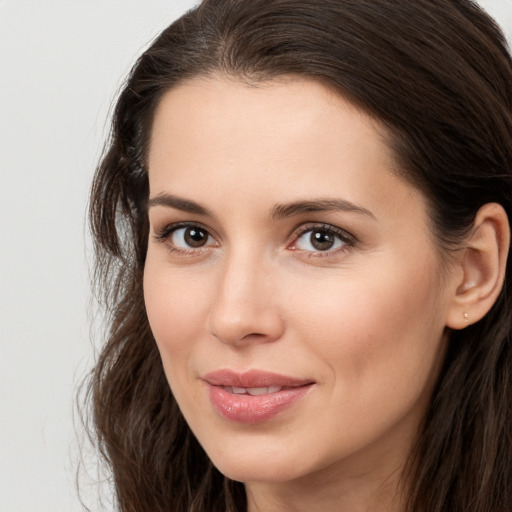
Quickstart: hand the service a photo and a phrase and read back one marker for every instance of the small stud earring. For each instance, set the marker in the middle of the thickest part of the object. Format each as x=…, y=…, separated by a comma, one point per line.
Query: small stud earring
x=466, y=317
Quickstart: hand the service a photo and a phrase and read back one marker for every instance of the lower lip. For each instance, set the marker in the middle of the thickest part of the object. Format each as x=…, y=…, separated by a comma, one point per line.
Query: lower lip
x=250, y=409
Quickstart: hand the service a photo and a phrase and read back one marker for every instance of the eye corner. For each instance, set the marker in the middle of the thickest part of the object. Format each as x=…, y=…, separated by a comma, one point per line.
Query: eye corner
x=161, y=234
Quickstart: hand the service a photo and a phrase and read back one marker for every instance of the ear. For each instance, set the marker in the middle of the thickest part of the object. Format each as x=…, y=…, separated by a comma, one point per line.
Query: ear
x=482, y=263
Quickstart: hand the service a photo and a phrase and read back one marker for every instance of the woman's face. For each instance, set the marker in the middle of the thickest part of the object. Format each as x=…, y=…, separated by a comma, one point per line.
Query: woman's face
x=292, y=282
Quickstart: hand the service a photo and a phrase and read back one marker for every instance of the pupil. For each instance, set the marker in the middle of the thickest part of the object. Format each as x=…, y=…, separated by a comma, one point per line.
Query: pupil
x=322, y=240
x=195, y=237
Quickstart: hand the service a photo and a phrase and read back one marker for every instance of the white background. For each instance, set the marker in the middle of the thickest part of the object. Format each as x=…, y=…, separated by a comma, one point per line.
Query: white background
x=61, y=63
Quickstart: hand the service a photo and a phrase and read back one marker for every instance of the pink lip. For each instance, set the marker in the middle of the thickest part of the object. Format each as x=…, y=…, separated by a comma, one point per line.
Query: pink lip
x=249, y=409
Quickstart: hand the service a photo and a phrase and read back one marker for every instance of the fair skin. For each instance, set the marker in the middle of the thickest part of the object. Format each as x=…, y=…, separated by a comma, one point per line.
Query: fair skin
x=360, y=313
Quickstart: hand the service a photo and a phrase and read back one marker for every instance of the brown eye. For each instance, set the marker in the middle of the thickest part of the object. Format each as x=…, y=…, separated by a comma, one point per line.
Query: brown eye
x=190, y=237
x=195, y=237
x=322, y=239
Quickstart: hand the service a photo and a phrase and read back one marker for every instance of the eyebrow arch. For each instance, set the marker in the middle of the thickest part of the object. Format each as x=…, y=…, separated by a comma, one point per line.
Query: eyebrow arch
x=178, y=203
x=279, y=211
x=317, y=205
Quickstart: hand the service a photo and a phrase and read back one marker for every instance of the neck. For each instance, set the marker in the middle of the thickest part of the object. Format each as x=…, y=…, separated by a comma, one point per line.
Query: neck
x=329, y=493
x=368, y=481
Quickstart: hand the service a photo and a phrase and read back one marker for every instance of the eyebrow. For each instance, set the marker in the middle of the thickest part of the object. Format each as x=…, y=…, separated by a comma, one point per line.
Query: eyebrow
x=178, y=203
x=317, y=205
x=279, y=211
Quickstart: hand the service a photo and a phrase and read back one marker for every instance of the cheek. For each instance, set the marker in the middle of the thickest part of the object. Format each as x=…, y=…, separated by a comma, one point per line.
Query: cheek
x=377, y=344
x=176, y=305
x=370, y=326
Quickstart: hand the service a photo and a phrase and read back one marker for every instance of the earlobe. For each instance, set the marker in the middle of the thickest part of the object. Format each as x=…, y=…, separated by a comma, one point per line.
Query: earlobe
x=483, y=264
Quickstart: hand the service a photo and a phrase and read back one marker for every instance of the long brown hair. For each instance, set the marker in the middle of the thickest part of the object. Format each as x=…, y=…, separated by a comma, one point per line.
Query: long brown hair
x=437, y=73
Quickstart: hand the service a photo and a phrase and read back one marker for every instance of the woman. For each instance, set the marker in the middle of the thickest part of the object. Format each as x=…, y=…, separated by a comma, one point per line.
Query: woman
x=302, y=230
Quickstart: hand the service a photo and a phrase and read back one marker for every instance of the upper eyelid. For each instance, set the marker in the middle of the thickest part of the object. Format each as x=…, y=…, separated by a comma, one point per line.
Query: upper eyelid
x=312, y=226
x=167, y=229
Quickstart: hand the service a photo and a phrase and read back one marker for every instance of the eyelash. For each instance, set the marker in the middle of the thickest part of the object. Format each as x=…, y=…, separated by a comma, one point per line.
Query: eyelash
x=346, y=238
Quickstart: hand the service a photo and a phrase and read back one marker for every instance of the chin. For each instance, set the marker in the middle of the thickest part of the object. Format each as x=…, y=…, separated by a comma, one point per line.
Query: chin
x=260, y=471
x=261, y=464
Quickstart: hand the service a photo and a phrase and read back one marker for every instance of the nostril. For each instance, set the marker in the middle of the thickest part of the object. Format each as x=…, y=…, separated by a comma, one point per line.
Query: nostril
x=253, y=327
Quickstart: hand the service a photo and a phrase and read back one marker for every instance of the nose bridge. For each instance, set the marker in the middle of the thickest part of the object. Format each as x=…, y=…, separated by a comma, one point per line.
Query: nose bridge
x=244, y=308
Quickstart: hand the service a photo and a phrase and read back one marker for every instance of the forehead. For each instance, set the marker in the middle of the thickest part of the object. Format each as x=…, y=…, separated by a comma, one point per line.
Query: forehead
x=275, y=142
x=208, y=120
x=271, y=106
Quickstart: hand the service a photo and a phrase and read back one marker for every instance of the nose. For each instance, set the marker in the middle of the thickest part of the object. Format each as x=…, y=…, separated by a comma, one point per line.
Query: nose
x=244, y=309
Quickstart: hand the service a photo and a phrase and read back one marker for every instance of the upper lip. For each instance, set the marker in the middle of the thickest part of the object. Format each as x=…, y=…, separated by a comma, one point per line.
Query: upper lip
x=252, y=379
